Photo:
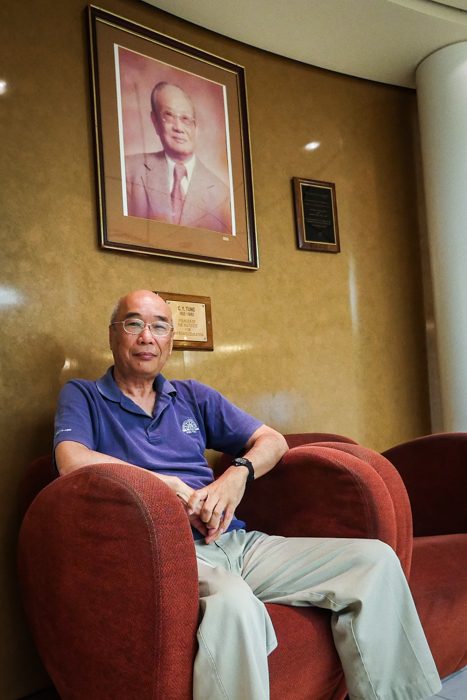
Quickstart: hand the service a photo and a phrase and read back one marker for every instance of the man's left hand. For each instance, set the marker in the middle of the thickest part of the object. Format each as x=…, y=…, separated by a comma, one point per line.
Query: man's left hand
x=216, y=503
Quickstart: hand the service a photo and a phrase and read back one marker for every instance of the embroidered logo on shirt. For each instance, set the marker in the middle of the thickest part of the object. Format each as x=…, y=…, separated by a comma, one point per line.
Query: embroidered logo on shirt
x=190, y=426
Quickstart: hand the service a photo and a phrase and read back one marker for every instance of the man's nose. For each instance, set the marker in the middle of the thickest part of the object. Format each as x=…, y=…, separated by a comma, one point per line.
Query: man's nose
x=146, y=334
x=177, y=122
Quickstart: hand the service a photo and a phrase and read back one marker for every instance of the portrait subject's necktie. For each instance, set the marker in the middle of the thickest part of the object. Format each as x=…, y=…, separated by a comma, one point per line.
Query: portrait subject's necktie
x=177, y=193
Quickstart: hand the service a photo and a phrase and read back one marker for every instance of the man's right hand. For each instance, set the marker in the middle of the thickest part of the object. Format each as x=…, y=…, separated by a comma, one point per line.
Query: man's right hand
x=184, y=493
x=71, y=455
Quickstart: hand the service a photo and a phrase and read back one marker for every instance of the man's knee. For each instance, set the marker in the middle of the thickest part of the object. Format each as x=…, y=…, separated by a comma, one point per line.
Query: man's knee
x=227, y=591
x=375, y=553
x=230, y=606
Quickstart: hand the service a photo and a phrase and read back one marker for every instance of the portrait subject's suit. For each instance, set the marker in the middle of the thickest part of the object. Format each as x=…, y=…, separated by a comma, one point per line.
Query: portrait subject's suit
x=207, y=200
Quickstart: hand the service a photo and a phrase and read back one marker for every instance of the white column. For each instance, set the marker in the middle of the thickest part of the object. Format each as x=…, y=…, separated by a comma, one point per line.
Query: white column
x=442, y=102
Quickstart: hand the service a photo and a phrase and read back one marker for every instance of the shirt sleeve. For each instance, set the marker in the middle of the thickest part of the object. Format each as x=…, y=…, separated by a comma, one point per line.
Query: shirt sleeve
x=228, y=428
x=74, y=417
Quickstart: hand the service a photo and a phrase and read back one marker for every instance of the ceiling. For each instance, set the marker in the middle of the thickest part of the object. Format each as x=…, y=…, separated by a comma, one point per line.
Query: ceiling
x=382, y=40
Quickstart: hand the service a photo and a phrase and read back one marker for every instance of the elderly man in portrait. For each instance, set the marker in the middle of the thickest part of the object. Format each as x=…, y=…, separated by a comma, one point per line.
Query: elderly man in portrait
x=173, y=185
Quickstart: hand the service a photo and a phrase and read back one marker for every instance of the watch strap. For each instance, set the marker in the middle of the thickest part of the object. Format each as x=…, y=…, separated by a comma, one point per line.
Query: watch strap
x=244, y=462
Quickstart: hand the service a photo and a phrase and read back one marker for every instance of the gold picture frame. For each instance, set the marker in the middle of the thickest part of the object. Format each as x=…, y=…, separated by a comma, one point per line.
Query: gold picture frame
x=217, y=224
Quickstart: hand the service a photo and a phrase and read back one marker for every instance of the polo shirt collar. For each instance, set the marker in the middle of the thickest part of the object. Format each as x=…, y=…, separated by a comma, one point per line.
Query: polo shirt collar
x=107, y=386
x=163, y=386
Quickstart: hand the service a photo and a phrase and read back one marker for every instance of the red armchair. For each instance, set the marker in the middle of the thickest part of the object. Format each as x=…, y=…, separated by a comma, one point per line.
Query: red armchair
x=428, y=492
x=108, y=574
x=434, y=472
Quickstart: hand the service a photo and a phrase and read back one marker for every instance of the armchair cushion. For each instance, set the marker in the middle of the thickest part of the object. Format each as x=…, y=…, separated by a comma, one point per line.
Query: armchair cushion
x=439, y=586
x=307, y=661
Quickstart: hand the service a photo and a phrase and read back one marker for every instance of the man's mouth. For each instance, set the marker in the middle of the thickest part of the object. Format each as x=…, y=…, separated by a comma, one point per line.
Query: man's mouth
x=145, y=355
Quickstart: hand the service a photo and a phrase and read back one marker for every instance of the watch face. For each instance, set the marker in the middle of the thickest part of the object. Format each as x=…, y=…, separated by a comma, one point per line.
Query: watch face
x=244, y=462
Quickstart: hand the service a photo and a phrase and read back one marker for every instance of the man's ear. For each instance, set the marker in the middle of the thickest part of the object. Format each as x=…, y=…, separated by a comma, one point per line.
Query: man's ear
x=155, y=122
x=111, y=337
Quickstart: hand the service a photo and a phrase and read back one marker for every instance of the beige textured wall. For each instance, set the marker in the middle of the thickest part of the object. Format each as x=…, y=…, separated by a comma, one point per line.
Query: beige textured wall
x=310, y=341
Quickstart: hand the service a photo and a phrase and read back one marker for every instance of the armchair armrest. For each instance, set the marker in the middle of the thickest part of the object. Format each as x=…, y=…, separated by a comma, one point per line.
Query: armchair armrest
x=434, y=471
x=296, y=439
x=109, y=581
x=397, y=491
x=320, y=491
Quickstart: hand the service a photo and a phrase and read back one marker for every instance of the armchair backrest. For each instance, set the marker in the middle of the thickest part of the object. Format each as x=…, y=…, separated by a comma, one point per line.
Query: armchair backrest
x=38, y=474
x=434, y=471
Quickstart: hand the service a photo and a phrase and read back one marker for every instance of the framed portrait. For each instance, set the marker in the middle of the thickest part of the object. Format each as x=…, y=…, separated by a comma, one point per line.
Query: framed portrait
x=316, y=215
x=173, y=158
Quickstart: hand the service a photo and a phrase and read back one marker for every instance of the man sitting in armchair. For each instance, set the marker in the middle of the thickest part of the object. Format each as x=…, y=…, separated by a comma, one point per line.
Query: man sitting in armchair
x=134, y=416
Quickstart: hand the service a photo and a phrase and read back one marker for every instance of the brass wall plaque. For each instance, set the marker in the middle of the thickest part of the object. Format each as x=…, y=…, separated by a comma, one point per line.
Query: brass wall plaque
x=192, y=321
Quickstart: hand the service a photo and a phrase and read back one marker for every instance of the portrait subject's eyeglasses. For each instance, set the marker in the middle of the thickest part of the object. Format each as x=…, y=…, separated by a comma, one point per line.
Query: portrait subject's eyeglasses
x=171, y=118
x=135, y=326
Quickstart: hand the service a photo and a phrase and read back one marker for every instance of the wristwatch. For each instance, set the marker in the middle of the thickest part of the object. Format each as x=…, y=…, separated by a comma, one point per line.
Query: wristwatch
x=244, y=462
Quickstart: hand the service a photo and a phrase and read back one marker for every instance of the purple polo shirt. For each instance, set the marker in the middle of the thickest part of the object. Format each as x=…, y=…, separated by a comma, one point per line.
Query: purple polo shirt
x=188, y=418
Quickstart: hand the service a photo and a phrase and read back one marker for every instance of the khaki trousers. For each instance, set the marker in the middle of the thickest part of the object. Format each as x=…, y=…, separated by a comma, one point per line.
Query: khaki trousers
x=376, y=630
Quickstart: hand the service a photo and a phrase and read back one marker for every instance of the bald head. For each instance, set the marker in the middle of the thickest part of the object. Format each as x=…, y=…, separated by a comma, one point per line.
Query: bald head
x=163, y=92
x=134, y=299
x=173, y=118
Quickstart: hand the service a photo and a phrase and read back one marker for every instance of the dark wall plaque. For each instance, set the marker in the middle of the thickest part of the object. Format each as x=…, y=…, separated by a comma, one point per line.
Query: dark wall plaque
x=316, y=215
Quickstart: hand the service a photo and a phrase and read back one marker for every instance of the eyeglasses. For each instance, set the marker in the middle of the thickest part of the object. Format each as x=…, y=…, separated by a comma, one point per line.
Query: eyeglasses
x=135, y=326
x=171, y=118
